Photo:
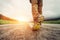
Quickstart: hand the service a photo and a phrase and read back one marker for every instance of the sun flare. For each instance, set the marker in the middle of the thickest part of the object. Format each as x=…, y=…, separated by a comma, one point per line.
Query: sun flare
x=23, y=19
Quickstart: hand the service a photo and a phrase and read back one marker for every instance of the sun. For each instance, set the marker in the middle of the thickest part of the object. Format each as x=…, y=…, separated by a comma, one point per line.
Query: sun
x=23, y=19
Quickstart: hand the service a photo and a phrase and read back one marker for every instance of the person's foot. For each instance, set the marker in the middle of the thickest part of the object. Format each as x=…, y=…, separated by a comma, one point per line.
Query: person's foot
x=36, y=27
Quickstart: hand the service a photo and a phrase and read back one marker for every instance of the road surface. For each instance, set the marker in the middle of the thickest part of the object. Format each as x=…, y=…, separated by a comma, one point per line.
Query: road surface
x=24, y=32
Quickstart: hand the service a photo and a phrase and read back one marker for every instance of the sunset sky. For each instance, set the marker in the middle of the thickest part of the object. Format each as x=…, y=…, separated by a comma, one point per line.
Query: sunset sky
x=22, y=9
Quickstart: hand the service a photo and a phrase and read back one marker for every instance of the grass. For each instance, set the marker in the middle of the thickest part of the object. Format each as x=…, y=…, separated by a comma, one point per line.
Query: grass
x=7, y=22
x=53, y=22
x=4, y=21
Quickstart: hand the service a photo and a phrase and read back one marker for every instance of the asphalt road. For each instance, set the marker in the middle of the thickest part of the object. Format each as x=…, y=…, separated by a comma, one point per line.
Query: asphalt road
x=24, y=32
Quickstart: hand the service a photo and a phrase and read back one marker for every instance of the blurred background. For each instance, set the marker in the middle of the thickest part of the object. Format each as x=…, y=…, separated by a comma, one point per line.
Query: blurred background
x=17, y=9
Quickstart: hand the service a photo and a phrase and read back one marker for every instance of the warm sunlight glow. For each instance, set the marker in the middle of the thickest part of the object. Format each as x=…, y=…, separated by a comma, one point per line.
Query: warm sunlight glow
x=17, y=8
x=20, y=10
x=23, y=19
